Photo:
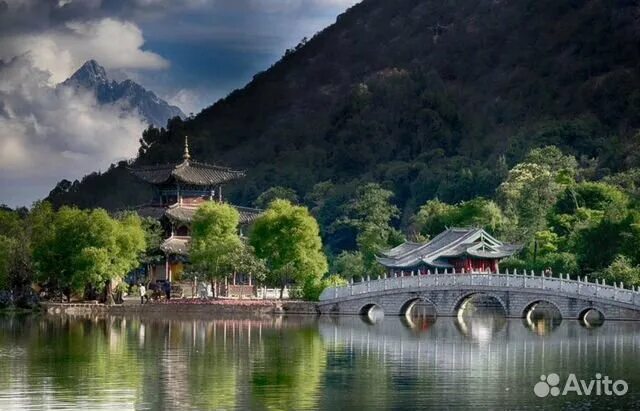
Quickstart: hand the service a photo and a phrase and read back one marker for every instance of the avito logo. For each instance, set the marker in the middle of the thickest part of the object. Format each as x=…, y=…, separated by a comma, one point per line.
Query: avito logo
x=550, y=385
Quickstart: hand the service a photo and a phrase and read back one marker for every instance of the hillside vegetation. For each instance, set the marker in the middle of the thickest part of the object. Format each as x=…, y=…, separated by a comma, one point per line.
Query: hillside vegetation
x=430, y=99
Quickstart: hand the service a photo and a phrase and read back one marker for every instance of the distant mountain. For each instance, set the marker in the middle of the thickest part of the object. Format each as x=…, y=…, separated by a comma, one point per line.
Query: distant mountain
x=430, y=98
x=129, y=94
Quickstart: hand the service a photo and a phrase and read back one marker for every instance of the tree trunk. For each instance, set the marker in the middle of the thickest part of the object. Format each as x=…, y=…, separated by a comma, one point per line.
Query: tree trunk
x=282, y=291
x=108, y=296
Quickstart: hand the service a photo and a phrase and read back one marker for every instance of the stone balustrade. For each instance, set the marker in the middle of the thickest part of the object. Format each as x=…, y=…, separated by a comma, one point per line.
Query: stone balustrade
x=508, y=280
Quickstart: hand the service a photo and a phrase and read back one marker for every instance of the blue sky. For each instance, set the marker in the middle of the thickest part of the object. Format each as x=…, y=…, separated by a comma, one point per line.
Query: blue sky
x=213, y=47
x=189, y=52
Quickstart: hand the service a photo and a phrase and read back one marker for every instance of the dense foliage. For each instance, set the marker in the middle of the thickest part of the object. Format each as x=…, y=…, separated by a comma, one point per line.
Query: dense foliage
x=287, y=237
x=430, y=99
x=70, y=250
x=216, y=247
x=451, y=108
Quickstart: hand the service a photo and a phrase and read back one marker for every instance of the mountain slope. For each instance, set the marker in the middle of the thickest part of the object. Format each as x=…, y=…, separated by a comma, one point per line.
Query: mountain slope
x=429, y=98
x=130, y=95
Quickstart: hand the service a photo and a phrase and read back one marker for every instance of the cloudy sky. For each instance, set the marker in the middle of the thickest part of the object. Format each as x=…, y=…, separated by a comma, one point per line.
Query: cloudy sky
x=189, y=52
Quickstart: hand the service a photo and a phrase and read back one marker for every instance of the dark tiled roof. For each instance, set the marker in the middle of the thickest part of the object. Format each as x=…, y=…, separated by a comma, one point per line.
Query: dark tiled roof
x=248, y=215
x=185, y=213
x=188, y=172
x=453, y=242
x=150, y=211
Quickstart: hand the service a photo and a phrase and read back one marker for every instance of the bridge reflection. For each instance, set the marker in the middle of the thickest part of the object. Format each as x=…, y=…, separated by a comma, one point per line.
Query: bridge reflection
x=437, y=341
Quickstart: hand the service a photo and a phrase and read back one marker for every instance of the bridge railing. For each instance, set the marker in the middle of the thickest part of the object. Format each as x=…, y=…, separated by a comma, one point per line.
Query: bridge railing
x=580, y=287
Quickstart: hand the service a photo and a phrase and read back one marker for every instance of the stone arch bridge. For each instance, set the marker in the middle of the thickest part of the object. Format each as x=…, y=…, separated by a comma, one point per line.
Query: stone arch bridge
x=517, y=293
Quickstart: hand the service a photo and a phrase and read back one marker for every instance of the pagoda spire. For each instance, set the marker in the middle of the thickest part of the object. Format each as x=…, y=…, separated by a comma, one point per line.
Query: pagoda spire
x=186, y=156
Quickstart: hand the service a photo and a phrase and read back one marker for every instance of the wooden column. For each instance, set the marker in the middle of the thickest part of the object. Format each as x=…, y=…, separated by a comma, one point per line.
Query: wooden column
x=166, y=267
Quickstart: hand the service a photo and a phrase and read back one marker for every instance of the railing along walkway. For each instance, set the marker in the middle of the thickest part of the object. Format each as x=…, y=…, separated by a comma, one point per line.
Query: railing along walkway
x=524, y=281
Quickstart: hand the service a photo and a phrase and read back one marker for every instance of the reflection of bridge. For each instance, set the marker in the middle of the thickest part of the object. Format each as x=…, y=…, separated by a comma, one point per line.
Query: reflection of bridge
x=516, y=293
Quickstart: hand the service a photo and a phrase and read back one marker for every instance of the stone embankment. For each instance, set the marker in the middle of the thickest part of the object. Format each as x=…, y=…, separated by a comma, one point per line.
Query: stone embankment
x=187, y=307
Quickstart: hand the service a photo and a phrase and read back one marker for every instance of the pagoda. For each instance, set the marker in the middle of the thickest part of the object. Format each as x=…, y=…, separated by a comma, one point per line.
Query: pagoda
x=179, y=189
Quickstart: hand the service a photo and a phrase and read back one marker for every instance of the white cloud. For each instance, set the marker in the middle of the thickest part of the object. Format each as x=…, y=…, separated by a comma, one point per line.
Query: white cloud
x=48, y=133
x=190, y=101
x=60, y=51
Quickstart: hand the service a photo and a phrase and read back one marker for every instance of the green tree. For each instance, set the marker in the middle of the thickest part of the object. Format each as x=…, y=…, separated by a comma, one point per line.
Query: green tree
x=435, y=216
x=371, y=214
x=75, y=248
x=154, y=234
x=7, y=245
x=111, y=250
x=15, y=254
x=274, y=193
x=215, y=242
x=532, y=188
x=287, y=237
x=349, y=264
x=621, y=270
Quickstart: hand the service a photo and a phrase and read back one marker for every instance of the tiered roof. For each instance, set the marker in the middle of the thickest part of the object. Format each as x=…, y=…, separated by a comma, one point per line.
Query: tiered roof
x=184, y=213
x=187, y=172
x=454, y=242
x=178, y=245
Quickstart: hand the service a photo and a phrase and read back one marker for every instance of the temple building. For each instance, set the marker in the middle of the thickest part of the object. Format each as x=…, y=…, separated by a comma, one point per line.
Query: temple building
x=460, y=249
x=179, y=189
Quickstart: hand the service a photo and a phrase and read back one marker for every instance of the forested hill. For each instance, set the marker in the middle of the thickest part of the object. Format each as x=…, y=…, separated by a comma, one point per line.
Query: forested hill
x=431, y=98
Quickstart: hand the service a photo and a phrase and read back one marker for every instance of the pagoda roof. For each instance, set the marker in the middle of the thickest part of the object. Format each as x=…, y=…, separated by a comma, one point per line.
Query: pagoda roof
x=178, y=245
x=453, y=242
x=184, y=213
x=188, y=172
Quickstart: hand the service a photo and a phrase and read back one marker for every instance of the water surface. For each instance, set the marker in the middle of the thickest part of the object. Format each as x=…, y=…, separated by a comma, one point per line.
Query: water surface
x=486, y=362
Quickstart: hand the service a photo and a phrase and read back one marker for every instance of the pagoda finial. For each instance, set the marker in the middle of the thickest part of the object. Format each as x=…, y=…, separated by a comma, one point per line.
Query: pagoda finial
x=186, y=154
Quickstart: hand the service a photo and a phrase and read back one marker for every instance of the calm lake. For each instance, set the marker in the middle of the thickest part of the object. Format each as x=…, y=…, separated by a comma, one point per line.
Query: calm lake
x=297, y=362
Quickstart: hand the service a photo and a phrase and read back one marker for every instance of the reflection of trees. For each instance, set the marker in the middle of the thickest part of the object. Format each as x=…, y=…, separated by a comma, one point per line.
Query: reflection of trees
x=78, y=360
x=365, y=381
x=288, y=370
x=213, y=371
x=287, y=362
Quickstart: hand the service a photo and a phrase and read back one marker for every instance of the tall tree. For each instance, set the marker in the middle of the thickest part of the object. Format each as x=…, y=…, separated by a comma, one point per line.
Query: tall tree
x=371, y=214
x=532, y=188
x=15, y=254
x=215, y=242
x=287, y=237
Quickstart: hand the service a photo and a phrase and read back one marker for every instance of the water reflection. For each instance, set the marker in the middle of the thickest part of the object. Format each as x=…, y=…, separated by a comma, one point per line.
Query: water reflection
x=372, y=314
x=591, y=318
x=478, y=359
x=542, y=317
x=480, y=317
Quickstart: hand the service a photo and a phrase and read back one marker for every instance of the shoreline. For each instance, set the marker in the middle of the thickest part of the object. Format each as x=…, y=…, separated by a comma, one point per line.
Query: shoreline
x=184, y=306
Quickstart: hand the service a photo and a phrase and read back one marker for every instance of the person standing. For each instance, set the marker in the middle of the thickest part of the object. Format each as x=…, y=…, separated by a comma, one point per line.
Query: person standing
x=167, y=290
x=143, y=293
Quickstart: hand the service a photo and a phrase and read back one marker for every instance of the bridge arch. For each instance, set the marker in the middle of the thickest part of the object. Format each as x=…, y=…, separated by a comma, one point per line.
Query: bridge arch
x=530, y=306
x=591, y=317
x=366, y=308
x=461, y=302
x=407, y=306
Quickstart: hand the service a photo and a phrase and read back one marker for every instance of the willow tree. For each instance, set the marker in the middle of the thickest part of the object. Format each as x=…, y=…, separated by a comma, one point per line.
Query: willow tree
x=287, y=237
